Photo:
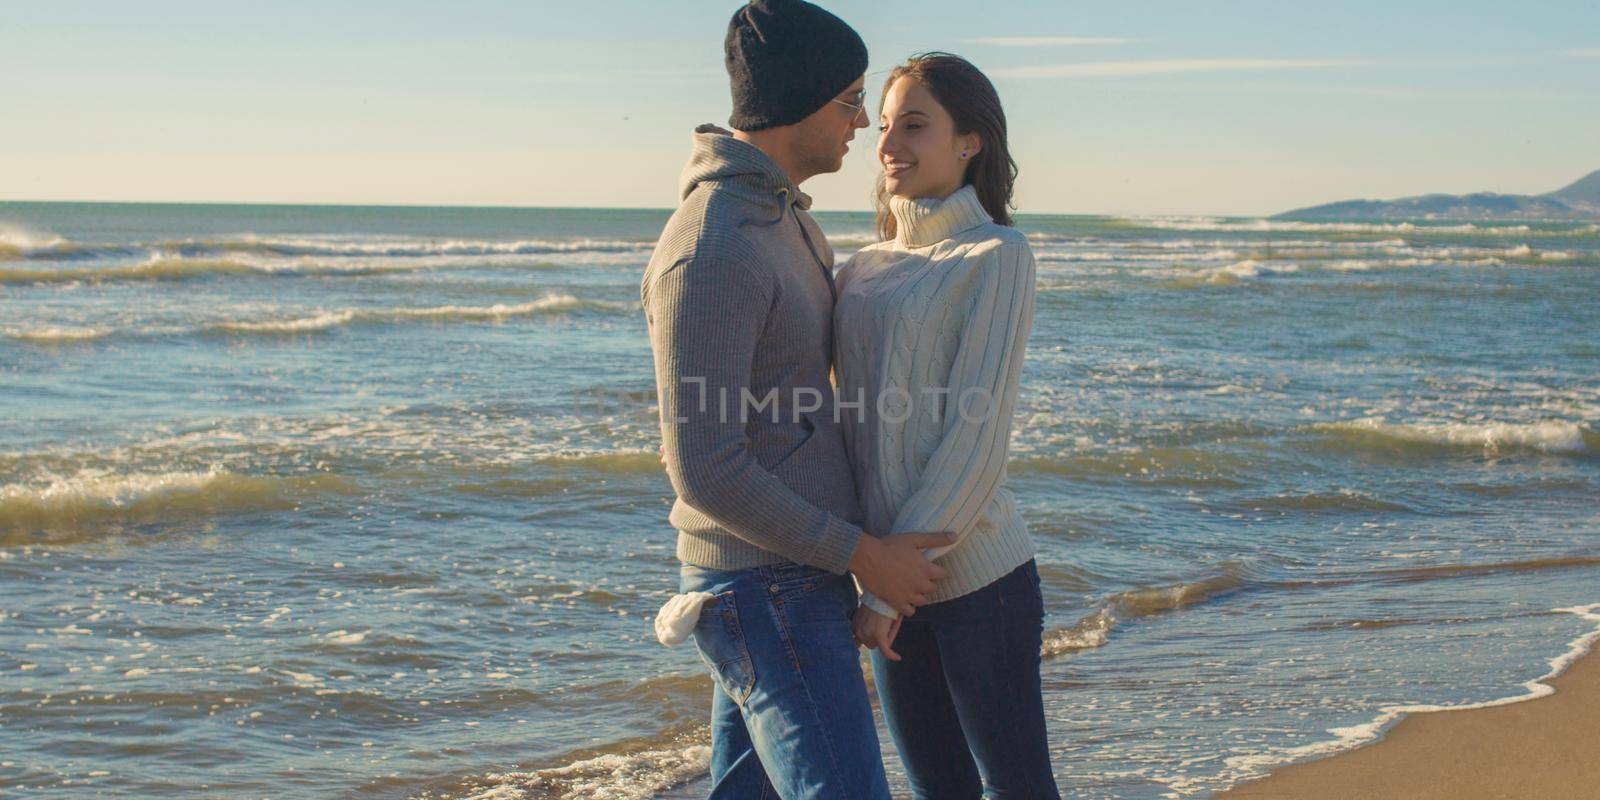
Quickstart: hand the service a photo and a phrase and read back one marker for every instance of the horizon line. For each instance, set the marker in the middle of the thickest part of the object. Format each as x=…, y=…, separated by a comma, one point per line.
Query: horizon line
x=666, y=209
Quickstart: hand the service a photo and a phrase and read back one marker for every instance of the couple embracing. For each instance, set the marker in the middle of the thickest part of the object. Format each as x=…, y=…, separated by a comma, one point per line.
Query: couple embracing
x=837, y=440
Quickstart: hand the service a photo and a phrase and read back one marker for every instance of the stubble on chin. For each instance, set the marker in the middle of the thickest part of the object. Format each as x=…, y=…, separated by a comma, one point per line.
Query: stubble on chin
x=825, y=165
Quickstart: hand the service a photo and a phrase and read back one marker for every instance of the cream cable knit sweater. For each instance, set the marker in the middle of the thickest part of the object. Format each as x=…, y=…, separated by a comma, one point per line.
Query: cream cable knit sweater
x=929, y=336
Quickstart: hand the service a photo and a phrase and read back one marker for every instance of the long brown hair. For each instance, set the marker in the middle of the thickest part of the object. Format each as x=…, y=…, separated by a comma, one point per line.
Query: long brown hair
x=967, y=94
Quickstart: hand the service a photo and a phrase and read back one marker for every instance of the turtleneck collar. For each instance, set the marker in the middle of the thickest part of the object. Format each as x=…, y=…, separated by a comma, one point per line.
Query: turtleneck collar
x=926, y=220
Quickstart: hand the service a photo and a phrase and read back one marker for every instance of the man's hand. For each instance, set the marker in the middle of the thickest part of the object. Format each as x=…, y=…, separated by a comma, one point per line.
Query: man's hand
x=875, y=631
x=895, y=570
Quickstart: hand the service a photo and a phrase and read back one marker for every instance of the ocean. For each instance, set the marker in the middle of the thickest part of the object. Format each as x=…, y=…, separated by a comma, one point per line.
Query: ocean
x=364, y=502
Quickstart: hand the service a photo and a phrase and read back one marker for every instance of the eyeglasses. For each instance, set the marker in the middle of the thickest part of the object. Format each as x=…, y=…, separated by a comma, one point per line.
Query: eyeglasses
x=858, y=108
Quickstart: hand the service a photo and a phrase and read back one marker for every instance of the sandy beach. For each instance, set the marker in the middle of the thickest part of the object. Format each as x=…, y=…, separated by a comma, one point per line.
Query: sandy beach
x=1540, y=749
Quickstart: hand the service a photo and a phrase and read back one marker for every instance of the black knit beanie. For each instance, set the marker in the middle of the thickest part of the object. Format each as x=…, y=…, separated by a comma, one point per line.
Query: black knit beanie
x=786, y=59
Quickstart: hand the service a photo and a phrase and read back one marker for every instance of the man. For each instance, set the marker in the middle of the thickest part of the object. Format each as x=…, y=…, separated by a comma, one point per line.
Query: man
x=739, y=299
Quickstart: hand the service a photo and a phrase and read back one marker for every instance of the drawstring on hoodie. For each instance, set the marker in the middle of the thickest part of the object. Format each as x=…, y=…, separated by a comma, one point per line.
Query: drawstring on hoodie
x=826, y=275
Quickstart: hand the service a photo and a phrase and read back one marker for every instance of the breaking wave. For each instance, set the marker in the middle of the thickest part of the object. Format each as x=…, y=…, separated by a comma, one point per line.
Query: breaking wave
x=332, y=319
x=1555, y=437
x=70, y=505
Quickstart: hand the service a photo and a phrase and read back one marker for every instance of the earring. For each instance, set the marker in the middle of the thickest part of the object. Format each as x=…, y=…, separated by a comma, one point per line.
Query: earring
x=963, y=154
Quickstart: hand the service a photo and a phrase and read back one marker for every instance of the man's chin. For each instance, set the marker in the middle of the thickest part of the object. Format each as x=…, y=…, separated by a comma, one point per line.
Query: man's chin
x=832, y=166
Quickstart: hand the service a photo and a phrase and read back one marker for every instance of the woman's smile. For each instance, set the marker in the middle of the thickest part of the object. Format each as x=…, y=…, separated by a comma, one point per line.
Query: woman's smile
x=896, y=167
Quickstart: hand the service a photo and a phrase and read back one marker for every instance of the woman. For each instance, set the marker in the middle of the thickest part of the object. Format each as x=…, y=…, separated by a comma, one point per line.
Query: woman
x=929, y=334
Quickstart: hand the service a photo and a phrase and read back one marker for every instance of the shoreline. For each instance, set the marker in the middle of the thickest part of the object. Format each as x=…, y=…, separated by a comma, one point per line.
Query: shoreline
x=1539, y=745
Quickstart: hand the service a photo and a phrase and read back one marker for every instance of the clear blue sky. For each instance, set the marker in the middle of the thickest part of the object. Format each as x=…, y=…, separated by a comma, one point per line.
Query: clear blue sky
x=1174, y=107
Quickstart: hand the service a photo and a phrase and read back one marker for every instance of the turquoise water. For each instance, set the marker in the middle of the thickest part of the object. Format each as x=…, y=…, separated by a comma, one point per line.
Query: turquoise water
x=306, y=502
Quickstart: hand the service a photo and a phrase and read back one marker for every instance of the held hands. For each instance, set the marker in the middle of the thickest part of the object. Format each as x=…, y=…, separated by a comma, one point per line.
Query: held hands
x=876, y=631
x=895, y=570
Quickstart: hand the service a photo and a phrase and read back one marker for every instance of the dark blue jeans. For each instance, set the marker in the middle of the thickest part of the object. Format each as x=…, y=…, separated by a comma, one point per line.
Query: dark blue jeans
x=790, y=716
x=964, y=703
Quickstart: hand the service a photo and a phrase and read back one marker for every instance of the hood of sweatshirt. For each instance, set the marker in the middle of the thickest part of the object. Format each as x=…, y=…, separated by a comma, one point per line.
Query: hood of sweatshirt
x=741, y=169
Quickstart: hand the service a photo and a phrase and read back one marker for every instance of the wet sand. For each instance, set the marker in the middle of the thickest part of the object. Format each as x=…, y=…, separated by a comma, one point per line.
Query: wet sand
x=1540, y=749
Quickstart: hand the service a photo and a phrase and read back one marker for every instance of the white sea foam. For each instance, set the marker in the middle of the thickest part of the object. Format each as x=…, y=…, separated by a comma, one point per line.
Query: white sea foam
x=1081, y=255
x=348, y=246
x=1275, y=225
x=555, y=303
x=329, y=319
x=1090, y=632
x=1356, y=265
x=16, y=240
x=103, y=488
x=1094, y=629
x=565, y=302
x=318, y=322
x=1131, y=255
x=856, y=238
x=77, y=502
x=1048, y=240
x=1333, y=256
x=345, y=637
x=175, y=267
x=1363, y=265
x=1309, y=254
x=614, y=776
x=156, y=268
x=1249, y=270
x=305, y=678
x=58, y=334
x=1482, y=255
x=1547, y=437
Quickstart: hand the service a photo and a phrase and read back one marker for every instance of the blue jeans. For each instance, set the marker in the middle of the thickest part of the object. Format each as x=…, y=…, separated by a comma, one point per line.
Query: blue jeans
x=790, y=716
x=964, y=704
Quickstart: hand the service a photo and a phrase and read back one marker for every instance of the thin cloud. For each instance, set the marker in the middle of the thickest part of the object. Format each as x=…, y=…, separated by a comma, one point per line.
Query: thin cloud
x=614, y=75
x=1303, y=89
x=1583, y=54
x=1112, y=69
x=1048, y=41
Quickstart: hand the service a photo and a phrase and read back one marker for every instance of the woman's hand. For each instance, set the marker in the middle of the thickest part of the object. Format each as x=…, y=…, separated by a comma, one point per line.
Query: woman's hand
x=876, y=631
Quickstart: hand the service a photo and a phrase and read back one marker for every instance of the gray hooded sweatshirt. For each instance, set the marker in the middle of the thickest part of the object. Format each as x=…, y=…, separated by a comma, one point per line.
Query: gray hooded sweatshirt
x=739, y=299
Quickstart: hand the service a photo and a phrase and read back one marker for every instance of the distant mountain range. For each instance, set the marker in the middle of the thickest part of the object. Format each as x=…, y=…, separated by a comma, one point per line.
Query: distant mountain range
x=1581, y=200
